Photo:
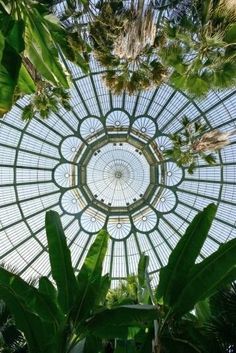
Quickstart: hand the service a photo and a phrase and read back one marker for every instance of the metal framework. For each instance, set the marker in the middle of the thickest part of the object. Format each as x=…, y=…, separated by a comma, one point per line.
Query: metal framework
x=50, y=164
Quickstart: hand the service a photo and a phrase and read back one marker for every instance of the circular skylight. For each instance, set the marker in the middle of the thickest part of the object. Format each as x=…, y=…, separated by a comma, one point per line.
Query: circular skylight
x=118, y=174
x=102, y=166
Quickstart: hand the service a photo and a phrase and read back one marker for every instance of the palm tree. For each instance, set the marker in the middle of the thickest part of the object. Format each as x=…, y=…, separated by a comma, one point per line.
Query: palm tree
x=200, y=47
x=12, y=340
x=125, y=42
x=46, y=100
x=196, y=142
x=222, y=323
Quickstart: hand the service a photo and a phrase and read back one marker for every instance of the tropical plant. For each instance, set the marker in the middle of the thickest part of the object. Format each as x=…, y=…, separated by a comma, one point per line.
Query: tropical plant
x=12, y=340
x=195, y=141
x=135, y=289
x=183, y=283
x=30, y=39
x=184, y=286
x=200, y=47
x=216, y=318
x=59, y=319
x=46, y=100
x=125, y=42
x=125, y=293
x=221, y=321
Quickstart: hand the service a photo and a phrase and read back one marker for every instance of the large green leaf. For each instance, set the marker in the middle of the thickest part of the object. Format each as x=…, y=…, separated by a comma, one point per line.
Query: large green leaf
x=144, y=285
x=202, y=310
x=42, y=50
x=9, y=72
x=60, y=260
x=15, y=36
x=173, y=277
x=105, y=284
x=47, y=288
x=26, y=321
x=37, y=303
x=108, y=321
x=142, y=269
x=25, y=83
x=10, y=64
x=89, y=278
x=206, y=277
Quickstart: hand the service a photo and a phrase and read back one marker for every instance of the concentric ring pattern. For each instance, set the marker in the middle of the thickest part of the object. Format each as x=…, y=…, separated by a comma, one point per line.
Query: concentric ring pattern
x=39, y=172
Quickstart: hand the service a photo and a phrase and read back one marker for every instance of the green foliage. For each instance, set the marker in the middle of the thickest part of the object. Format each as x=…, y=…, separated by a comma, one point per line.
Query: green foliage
x=200, y=47
x=172, y=276
x=30, y=40
x=134, y=289
x=123, y=73
x=185, y=150
x=91, y=285
x=60, y=260
x=12, y=340
x=179, y=287
x=41, y=49
x=55, y=319
x=11, y=48
x=74, y=48
x=118, y=322
x=183, y=285
x=216, y=318
x=25, y=83
x=221, y=323
x=46, y=100
x=125, y=293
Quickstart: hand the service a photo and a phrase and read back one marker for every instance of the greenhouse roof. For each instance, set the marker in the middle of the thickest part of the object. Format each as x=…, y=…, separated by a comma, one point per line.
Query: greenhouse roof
x=101, y=165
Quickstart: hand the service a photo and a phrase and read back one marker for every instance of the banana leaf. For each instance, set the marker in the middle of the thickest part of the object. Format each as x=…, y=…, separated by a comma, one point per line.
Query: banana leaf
x=33, y=300
x=143, y=292
x=14, y=36
x=142, y=268
x=60, y=260
x=173, y=277
x=89, y=279
x=202, y=310
x=116, y=321
x=47, y=288
x=25, y=83
x=206, y=277
x=9, y=72
x=26, y=321
x=10, y=63
x=42, y=50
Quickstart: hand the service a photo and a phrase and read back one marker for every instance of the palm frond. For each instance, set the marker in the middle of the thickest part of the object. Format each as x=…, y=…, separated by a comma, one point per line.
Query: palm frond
x=209, y=158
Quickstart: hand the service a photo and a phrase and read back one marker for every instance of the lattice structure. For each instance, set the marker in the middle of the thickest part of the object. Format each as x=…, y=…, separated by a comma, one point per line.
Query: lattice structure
x=102, y=165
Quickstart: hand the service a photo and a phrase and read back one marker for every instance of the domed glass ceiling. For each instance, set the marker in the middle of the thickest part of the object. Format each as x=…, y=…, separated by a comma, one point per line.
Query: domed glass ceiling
x=101, y=166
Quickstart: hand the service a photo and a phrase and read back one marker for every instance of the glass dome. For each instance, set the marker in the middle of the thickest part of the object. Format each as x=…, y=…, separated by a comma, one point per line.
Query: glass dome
x=101, y=166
